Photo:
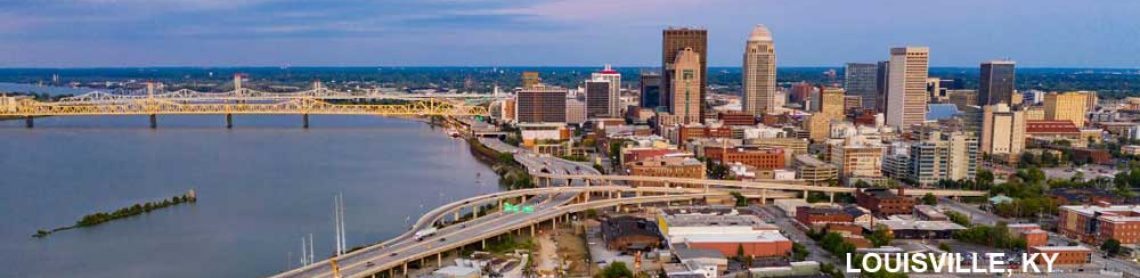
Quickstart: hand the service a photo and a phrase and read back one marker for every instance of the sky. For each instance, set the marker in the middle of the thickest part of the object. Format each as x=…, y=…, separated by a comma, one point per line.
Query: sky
x=133, y=33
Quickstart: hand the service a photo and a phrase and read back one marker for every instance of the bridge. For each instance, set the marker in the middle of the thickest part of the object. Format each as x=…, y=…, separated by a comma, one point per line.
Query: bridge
x=243, y=101
x=551, y=206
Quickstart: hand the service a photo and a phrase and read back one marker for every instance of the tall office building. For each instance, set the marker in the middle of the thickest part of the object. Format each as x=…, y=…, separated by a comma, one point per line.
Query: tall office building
x=674, y=40
x=686, y=72
x=608, y=74
x=1003, y=130
x=598, y=98
x=530, y=79
x=859, y=80
x=1070, y=106
x=882, y=81
x=831, y=102
x=541, y=105
x=759, y=74
x=996, y=83
x=650, y=90
x=906, y=90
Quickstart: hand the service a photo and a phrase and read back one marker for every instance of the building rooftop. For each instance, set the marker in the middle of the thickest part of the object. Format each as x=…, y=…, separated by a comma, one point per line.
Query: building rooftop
x=1109, y=213
x=756, y=237
x=915, y=225
x=690, y=220
x=1060, y=248
x=685, y=253
x=760, y=33
x=1051, y=127
x=811, y=161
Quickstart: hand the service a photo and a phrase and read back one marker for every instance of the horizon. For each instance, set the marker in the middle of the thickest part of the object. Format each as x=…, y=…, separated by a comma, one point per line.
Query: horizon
x=274, y=33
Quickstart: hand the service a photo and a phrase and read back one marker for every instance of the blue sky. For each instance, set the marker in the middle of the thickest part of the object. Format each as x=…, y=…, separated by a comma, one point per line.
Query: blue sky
x=85, y=33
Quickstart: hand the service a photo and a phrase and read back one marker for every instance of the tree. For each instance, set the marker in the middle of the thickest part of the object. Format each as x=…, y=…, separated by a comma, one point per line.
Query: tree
x=741, y=201
x=943, y=246
x=1111, y=246
x=799, y=252
x=880, y=236
x=617, y=270
x=929, y=199
x=984, y=179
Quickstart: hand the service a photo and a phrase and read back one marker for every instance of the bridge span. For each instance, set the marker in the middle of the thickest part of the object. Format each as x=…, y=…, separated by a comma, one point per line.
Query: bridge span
x=243, y=101
x=553, y=204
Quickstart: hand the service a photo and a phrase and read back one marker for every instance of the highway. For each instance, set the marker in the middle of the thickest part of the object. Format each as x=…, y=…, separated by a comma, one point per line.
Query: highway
x=772, y=185
x=405, y=248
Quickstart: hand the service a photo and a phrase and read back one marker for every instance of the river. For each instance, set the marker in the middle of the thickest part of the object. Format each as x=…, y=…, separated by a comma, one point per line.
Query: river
x=261, y=186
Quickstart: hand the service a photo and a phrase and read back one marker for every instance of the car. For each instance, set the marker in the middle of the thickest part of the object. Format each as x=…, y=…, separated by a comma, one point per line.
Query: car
x=464, y=225
x=392, y=255
x=369, y=264
x=442, y=239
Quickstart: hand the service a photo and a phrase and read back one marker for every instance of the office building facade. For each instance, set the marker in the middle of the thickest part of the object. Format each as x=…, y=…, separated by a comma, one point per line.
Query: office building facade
x=906, y=90
x=996, y=84
x=860, y=80
x=759, y=73
x=674, y=41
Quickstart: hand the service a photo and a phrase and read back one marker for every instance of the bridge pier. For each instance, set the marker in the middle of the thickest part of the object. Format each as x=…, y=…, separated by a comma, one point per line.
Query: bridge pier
x=305, y=120
x=805, y=194
x=229, y=120
x=153, y=121
x=29, y=122
x=764, y=196
x=832, y=201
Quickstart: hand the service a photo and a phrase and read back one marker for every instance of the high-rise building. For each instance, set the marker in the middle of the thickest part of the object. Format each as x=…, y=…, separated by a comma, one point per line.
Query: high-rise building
x=575, y=111
x=1003, y=130
x=541, y=105
x=686, y=77
x=650, y=90
x=963, y=98
x=614, y=100
x=530, y=79
x=906, y=90
x=941, y=156
x=882, y=84
x=831, y=102
x=858, y=157
x=996, y=83
x=1069, y=106
x=802, y=93
x=598, y=98
x=859, y=80
x=674, y=40
x=759, y=73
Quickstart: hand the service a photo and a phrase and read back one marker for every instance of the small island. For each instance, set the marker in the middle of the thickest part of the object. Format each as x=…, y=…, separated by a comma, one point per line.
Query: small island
x=103, y=217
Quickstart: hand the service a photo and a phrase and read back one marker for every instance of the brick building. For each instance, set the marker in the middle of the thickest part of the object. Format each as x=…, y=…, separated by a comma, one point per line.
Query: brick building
x=736, y=118
x=811, y=216
x=761, y=158
x=882, y=201
x=1097, y=223
x=1066, y=255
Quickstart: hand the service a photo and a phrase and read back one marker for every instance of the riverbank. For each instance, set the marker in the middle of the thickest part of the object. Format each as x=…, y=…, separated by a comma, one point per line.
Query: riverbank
x=512, y=174
x=138, y=209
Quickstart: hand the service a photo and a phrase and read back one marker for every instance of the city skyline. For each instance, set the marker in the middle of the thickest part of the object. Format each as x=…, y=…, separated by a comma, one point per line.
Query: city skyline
x=132, y=33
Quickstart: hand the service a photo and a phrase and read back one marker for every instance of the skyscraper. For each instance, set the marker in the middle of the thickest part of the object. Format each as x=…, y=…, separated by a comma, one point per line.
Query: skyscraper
x=598, y=98
x=530, y=79
x=650, y=90
x=541, y=105
x=859, y=80
x=759, y=74
x=674, y=40
x=614, y=78
x=831, y=102
x=1069, y=106
x=996, y=83
x=882, y=81
x=906, y=90
x=1003, y=130
x=686, y=72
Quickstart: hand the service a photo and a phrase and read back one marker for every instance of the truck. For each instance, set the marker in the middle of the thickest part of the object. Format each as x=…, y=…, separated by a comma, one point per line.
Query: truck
x=420, y=235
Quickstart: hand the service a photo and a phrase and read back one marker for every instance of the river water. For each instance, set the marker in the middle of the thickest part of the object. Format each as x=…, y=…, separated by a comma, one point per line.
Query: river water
x=261, y=187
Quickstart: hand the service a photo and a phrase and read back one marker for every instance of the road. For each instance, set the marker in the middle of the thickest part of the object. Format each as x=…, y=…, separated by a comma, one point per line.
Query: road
x=404, y=247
